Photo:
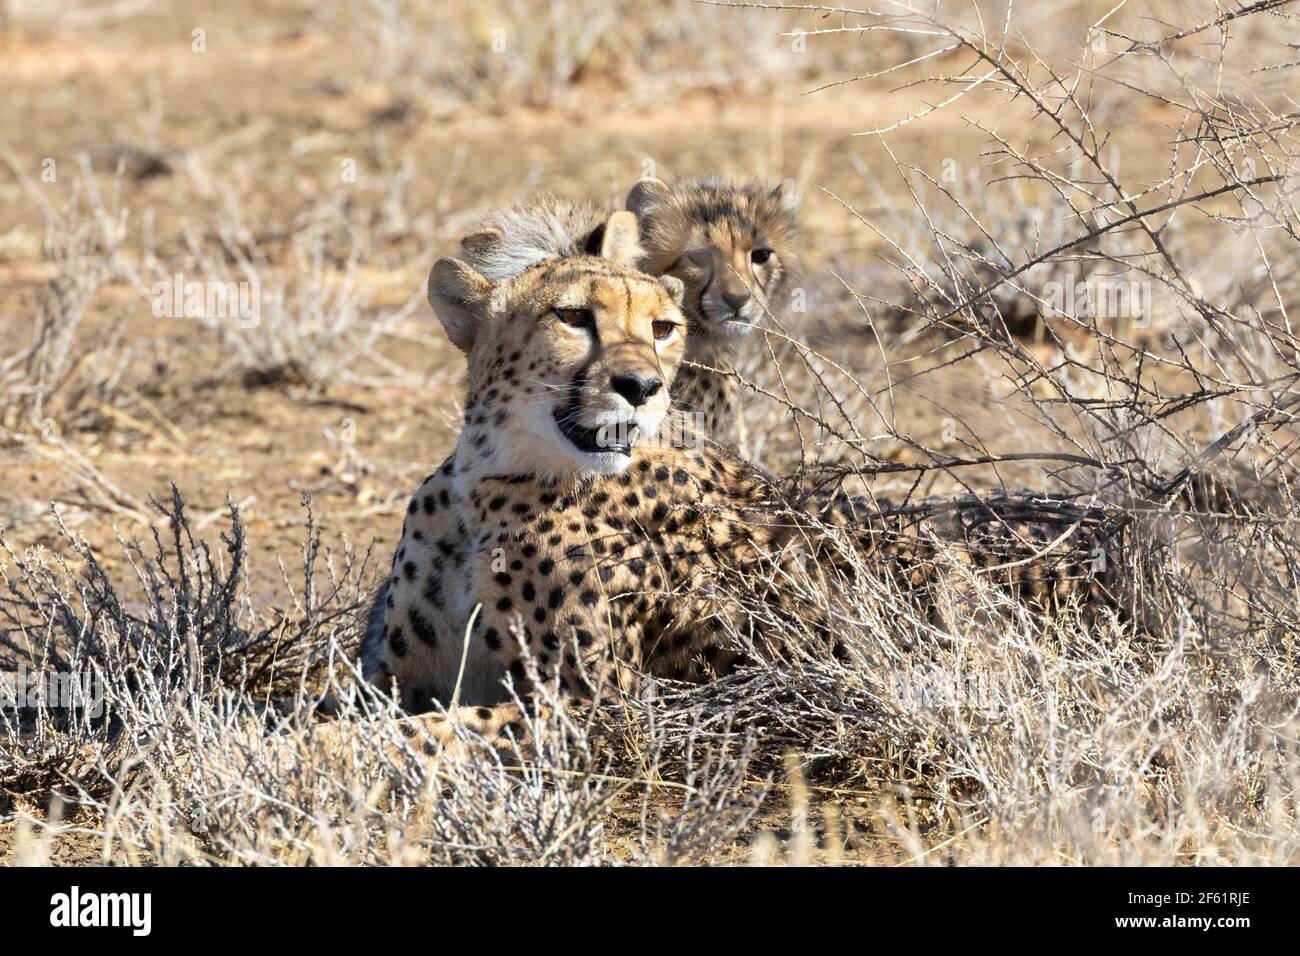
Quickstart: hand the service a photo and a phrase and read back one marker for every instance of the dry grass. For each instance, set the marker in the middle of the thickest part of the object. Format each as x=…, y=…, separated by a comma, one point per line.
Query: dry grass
x=537, y=52
x=938, y=351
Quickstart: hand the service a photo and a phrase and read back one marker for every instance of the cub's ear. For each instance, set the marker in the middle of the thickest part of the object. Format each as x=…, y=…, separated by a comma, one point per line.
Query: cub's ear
x=676, y=288
x=461, y=298
x=645, y=194
x=787, y=194
x=480, y=241
x=621, y=241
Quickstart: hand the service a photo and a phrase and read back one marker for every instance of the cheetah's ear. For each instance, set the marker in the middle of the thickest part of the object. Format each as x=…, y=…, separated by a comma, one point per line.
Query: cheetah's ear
x=676, y=288
x=646, y=194
x=461, y=298
x=787, y=194
x=480, y=241
x=621, y=242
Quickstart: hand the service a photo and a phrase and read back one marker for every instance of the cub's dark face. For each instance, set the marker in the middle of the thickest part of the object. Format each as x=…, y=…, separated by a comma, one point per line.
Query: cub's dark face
x=569, y=363
x=731, y=246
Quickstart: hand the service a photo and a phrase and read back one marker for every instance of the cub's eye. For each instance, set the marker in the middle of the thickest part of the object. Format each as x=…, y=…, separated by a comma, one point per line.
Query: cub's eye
x=759, y=256
x=663, y=330
x=576, y=318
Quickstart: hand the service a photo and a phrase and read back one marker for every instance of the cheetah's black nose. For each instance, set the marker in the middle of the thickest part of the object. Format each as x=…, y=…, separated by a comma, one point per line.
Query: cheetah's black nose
x=735, y=299
x=635, y=387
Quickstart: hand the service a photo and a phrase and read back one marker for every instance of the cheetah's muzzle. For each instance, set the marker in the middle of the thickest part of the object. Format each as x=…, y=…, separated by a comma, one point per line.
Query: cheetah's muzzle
x=602, y=440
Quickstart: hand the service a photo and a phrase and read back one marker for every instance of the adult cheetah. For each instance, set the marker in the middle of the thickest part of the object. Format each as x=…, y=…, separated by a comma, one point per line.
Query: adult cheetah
x=607, y=558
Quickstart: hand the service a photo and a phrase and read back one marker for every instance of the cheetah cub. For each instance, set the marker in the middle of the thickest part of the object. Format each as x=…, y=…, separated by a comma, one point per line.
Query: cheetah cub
x=732, y=244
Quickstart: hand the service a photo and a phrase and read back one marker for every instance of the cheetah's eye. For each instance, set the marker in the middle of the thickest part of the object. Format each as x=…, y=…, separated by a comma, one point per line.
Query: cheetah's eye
x=760, y=256
x=576, y=318
x=663, y=330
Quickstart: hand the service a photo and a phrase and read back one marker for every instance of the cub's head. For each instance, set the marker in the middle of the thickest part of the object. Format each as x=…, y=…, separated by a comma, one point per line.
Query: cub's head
x=569, y=362
x=731, y=245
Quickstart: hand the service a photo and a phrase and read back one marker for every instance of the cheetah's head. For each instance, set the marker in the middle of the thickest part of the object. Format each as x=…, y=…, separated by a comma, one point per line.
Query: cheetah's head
x=569, y=362
x=732, y=246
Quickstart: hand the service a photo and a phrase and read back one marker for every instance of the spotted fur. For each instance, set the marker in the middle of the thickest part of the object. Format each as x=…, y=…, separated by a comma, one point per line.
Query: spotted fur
x=603, y=562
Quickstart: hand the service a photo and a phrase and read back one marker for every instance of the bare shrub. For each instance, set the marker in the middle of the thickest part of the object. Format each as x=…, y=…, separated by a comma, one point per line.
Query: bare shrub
x=538, y=51
x=1132, y=341
x=204, y=748
x=44, y=384
x=309, y=320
